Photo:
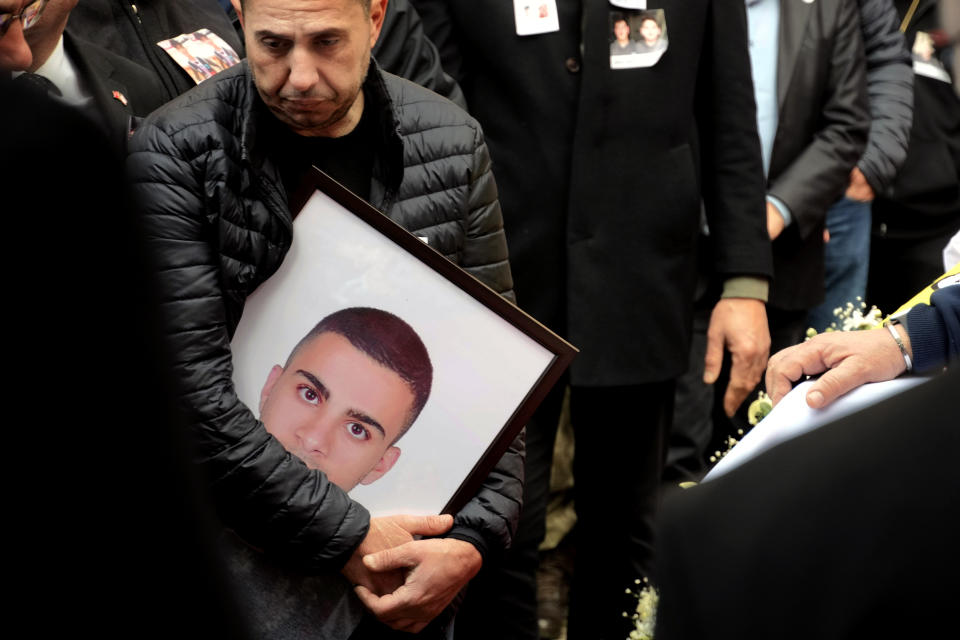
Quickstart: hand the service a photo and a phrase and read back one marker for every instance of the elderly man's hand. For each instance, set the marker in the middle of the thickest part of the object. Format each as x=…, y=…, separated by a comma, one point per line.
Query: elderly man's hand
x=387, y=533
x=775, y=222
x=859, y=189
x=849, y=358
x=437, y=570
x=740, y=324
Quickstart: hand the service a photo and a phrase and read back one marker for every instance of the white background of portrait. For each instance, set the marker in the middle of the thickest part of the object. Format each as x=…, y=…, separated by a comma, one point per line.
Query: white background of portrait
x=483, y=367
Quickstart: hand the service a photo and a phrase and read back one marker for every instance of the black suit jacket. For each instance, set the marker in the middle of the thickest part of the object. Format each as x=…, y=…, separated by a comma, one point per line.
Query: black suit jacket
x=847, y=532
x=132, y=30
x=121, y=89
x=601, y=171
x=822, y=127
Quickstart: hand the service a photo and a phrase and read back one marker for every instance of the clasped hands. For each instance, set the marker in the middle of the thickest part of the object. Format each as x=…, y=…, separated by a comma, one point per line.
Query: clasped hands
x=404, y=581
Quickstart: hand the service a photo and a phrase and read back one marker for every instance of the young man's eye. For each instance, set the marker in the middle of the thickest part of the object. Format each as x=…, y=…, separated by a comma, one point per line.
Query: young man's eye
x=358, y=431
x=309, y=395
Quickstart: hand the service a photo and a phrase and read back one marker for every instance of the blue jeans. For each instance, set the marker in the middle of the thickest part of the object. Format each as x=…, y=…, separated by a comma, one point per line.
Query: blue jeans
x=846, y=260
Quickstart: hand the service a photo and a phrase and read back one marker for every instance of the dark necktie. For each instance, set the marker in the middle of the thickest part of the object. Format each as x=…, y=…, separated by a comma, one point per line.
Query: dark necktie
x=38, y=83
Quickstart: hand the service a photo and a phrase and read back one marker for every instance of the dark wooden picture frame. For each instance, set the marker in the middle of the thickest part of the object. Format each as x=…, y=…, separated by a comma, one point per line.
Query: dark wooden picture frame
x=560, y=352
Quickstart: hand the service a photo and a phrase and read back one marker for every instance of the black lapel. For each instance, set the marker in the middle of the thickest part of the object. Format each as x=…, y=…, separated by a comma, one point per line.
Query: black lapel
x=794, y=15
x=97, y=75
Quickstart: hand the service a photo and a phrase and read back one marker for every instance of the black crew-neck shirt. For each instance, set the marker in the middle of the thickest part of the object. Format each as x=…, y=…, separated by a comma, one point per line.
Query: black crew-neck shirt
x=348, y=159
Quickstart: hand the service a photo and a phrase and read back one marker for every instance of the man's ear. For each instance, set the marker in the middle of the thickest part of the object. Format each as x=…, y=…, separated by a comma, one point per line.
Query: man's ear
x=386, y=462
x=239, y=10
x=275, y=373
x=378, y=10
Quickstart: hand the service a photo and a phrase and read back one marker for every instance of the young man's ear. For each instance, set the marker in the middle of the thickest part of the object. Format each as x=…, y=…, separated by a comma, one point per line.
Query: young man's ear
x=378, y=10
x=386, y=462
x=275, y=373
x=239, y=10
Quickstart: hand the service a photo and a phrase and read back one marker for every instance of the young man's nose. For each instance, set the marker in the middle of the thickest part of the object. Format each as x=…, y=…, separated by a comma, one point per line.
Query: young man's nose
x=317, y=434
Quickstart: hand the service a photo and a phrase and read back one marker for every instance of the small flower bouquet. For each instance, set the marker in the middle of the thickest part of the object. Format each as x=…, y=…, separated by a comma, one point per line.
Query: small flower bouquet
x=645, y=616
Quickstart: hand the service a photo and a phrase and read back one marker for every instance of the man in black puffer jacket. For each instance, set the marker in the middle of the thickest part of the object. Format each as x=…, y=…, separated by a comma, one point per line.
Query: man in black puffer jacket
x=213, y=171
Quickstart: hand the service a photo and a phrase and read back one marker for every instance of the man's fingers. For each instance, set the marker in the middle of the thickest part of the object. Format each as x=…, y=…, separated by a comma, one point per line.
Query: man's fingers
x=746, y=370
x=789, y=365
x=743, y=379
x=378, y=605
x=425, y=525
x=391, y=609
x=402, y=557
x=734, y=397
x=714, y=358
x=833, y=384
x=778, y=382
x=408, y=625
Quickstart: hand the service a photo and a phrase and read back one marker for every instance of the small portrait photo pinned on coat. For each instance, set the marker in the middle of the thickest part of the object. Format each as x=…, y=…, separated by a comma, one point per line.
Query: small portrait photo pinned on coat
x=637, y=38
x=536, y=16
x=202, y=54
x=925, y=60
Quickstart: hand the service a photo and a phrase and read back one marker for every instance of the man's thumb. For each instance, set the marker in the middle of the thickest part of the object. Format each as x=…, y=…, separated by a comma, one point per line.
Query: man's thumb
x=830, y=386
x=428, y=525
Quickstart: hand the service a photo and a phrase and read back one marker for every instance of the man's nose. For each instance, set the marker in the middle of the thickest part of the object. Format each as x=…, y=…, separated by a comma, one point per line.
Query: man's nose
x=317, y=434
x=15, y=54
x=303, y=70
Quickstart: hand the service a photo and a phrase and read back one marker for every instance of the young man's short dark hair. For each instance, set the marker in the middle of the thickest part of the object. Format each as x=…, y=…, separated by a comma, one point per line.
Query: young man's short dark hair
x=389, y=340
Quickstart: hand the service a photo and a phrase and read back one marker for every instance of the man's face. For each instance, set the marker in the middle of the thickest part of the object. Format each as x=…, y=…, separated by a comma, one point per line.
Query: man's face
x=15, y=53
x=650, y=31
x=309, y=59
x=338, y=410
x=622, y=31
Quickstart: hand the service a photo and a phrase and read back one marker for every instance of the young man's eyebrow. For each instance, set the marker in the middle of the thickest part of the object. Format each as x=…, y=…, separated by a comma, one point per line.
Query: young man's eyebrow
x=353, y=413
x=362, y=417
x=315, y=382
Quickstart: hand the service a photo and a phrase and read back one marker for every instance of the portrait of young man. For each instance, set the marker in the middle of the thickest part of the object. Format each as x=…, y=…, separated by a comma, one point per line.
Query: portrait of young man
x=348, y=392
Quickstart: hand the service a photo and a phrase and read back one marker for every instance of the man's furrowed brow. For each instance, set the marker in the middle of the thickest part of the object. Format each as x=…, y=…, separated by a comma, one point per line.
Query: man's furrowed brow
x=260, y=34
x=329, y=33
x=364, y=418
x=321, y=388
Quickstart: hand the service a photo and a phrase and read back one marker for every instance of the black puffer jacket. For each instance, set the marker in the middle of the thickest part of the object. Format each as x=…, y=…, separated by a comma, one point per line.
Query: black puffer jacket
x=217, y=221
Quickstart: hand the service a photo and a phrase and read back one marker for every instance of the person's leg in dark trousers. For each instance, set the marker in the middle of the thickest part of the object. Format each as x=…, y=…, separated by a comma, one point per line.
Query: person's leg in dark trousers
x=691, y=432
x=620, y=446
x=501, y=600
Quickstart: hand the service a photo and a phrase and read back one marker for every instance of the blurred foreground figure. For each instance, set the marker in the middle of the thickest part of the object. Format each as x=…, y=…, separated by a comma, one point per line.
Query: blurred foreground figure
x=844, y=533
x=111, y=532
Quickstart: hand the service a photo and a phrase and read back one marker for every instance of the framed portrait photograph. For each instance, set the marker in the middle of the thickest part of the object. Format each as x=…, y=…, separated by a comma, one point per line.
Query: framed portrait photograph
x=372, y=357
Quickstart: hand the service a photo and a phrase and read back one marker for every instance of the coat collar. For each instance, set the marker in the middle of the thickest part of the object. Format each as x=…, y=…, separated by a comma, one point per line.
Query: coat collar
x=388, y=160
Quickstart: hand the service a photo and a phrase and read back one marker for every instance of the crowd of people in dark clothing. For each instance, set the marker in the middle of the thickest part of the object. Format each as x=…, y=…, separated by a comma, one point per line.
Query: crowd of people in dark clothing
x=679, y=190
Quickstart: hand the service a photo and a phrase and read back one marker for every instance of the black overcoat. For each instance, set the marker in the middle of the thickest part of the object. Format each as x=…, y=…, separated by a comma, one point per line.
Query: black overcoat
x=601, y=171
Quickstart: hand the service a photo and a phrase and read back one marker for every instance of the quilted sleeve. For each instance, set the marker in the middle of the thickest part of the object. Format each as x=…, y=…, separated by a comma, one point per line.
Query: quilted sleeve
x=265, y=494
x=484, y=252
